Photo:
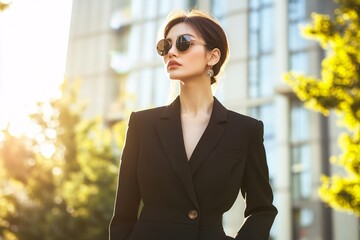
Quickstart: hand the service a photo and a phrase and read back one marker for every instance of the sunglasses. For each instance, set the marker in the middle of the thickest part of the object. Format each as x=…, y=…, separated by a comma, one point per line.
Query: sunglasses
x=183, y=42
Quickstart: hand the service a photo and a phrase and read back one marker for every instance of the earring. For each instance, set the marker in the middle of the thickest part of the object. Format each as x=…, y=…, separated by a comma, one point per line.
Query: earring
x=210, y=72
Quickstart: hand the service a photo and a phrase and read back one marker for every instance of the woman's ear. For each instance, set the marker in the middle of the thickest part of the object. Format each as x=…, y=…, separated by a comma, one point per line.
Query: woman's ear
x=214, y=57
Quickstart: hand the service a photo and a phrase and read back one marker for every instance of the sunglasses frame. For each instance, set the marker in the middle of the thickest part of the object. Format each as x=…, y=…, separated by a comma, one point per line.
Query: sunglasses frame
x=164, y=45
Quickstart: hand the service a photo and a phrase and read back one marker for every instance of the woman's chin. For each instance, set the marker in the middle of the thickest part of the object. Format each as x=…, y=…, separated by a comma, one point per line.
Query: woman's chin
x=174, y=76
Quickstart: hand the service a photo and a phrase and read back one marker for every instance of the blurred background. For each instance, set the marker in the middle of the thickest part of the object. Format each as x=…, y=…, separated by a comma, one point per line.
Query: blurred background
x=71, y=71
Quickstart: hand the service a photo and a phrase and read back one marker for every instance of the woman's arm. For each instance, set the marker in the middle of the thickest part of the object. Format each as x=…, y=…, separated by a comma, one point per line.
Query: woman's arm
x=260, y=211
x=128, y=193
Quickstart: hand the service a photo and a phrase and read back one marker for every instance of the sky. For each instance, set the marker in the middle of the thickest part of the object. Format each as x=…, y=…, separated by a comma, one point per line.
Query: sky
x=33, y=45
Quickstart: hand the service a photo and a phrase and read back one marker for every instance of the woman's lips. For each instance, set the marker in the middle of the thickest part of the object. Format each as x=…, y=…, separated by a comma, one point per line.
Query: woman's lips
x=172, y=64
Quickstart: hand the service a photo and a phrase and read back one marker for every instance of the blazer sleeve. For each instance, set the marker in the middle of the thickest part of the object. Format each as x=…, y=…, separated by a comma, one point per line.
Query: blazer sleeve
x=128, y=194
x=256, y=190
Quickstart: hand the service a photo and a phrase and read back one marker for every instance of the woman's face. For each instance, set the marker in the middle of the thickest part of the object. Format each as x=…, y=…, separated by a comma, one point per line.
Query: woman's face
x=189, y=64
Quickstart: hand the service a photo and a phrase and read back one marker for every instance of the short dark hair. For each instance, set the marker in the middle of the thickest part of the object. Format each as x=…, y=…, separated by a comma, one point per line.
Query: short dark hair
x=208, y=28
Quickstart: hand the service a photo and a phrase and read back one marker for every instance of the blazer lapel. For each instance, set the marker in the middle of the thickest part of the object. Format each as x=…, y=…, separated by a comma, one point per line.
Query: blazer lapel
x=212, y=134
x=170, y=132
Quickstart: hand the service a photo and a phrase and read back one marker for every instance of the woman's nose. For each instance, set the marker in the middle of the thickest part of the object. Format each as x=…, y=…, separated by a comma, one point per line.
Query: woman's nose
x=172, y=50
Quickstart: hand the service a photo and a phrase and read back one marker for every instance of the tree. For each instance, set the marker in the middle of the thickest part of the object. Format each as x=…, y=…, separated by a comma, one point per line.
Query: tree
x=338, y=90
x=4, y=5
x=62, y=181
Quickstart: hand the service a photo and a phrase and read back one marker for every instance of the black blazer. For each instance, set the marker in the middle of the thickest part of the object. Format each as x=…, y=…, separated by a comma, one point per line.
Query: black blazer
x=185, y=200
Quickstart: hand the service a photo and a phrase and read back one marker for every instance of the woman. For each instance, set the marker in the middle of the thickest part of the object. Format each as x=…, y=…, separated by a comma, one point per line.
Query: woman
x=188, y=161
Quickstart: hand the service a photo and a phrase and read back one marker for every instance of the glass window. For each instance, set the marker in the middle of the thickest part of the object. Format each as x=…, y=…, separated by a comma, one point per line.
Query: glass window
x=297, y=9
x=254, y=3
x=164, y=6
x=265, y=113
x=300, y=152
x=144, y=86
x=267, y=116
x=267, y=29
x=261, y=35
x=254, y=20
x=149, y=32
x=301, y=149
x=301, y=172
x=299, y=122
x=180, y=4
x=254, y=44
x=253, y=89
x=122, y=42
x=303, y=220
x=254, y=33
x=123, y=3
x=266, y=75
x=267, y=2
x=161, y=89
x=296, y=40
x=298, y=45
x=270, y=146
x=299, y=62
x=150, y=6
x=218, y=8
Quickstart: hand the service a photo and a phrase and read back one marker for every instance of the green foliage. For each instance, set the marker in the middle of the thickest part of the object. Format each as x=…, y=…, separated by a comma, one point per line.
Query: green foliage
x=339, y=90
x=59, y=184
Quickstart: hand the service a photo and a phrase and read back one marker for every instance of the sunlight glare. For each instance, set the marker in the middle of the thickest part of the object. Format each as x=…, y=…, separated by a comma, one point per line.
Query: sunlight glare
x=2, y=136
x=57, y=171
x=47, y=150
x=33, y=45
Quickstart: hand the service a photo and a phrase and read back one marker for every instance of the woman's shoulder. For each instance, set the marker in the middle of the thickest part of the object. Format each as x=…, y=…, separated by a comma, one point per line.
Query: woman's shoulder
x=241, y=117
x=149, y=112
x=244, y=123
x=234, y=116
x=160, y=112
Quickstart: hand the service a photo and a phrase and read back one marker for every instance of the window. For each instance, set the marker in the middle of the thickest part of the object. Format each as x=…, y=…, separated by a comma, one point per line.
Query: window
x=300, y=171
x=298, y=45
x=300, y=152
x=261, y=44
x=122, y=4
x=219, y=8
x=122, y=42
x=265, y=113
x=303, y=219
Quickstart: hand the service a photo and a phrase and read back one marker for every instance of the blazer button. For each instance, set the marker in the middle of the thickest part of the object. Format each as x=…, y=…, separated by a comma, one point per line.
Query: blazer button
x=193, y=214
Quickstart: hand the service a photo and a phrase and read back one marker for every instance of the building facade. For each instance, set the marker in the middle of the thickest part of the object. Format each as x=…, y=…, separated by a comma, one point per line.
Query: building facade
x=112, y=51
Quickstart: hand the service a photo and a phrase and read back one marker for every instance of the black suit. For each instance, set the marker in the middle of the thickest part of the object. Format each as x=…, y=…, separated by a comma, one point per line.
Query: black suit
x=185, y=200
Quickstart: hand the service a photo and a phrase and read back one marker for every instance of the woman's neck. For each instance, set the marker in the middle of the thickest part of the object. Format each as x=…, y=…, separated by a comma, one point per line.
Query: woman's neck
x=196, y=98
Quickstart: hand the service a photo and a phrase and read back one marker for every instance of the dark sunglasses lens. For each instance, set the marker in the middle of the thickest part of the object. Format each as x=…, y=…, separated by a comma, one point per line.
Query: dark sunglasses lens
x=183, y=43
x=163, y=47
